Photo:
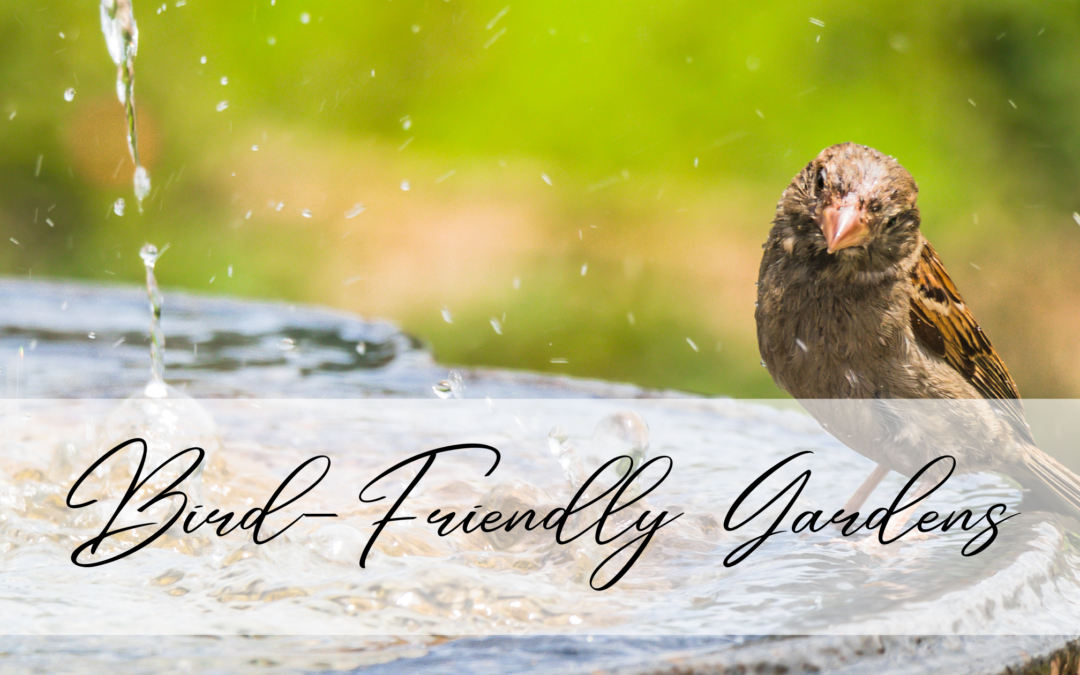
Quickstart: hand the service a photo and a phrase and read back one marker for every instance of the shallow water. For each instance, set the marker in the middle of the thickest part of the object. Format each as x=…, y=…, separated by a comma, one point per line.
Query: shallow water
x=419, y=584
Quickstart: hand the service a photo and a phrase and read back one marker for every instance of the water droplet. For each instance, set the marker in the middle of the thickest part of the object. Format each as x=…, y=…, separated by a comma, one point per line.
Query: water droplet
x=446, y=315
x=247, y=216
x=287, y=344
x=142, y=183
x=695, y=162
x=305, y=18
x=224, y=81
x=69, y=94
x=496, y=325
x=230, y=271
x=630, y=318
x=254, y=148
x=202, y=60
x=851, y=377
x=221, y=106
x=118, y=206
x=92, y=336
x=406, y=123
x=279, y=206
x=356, y=210
x=692, y=344
x=1076, y=217
x=271, y=40
x=415, y=28
x=584, y=269
x=517, y=283
x=306, y=213
x=452, y=386
x=405, y=185
x=800, y=344
x=546, y=178
x=361, y=348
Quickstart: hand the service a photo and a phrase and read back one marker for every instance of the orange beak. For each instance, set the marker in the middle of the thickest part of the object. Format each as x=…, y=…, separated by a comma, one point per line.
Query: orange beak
x=844, y=224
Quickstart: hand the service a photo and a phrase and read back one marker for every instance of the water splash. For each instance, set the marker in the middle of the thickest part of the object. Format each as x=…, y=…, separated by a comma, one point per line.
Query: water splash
x=156, y=387
x=122, y=40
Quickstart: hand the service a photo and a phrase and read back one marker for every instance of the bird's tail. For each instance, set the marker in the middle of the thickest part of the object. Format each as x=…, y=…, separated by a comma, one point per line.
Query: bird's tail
x=1057, y=488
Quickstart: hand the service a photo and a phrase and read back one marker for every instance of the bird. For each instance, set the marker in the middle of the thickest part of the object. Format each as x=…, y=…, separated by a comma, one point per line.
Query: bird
x=858, y=319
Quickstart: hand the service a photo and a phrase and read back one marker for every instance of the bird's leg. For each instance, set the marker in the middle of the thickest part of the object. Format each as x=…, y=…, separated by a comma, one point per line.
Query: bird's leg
x=896, y=523
x=872, y=481
x=873, y=545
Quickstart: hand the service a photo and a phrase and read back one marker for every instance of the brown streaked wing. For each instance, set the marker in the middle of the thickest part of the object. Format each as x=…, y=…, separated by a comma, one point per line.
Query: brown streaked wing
x=943, y=324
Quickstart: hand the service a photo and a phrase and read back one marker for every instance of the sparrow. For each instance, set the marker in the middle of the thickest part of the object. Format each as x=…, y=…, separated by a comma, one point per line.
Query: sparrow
x=858, y=319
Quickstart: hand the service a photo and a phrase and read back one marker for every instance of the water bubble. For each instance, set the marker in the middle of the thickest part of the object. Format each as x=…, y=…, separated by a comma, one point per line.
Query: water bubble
x=405, y=185
x=247, y=216
x=279, y=206
x=452, y=386
x=305, y=18
x=69, y=94
x=584, y=269
x=446, y=315
x=287, y=344
x=224, y=81
x=356, y=210
x=496, y=325
x=92, y=335
x=406, y=123
x=142, y=183
x=230, y=271
x=546, y=178
x=118, y=206
x=306, y=213
x=254, y=148
x=271, y=40
x=202, y=60
x=415, y=28
x=221, y=106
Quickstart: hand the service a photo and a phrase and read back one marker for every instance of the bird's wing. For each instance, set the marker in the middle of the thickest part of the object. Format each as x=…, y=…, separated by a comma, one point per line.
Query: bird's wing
x=943, y=324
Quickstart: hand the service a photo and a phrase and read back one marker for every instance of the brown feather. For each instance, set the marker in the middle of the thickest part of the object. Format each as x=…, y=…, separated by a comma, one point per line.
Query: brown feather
x=943, y=324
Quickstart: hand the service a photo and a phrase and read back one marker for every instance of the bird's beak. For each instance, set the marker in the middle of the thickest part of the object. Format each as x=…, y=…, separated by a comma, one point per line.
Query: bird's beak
x=844, y=224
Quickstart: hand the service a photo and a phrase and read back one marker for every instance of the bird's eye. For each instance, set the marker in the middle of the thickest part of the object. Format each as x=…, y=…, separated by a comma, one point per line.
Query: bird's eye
x=819, y=183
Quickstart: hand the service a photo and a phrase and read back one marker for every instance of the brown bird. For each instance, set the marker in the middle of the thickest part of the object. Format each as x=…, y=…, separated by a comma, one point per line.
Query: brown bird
x=858, y=319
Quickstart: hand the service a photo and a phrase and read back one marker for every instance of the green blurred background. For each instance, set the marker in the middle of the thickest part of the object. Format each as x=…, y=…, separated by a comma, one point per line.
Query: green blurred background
x=595, y=177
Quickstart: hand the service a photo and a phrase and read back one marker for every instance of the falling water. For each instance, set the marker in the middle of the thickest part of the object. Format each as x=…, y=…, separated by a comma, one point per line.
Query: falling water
x=122, y=39
x=156, y=387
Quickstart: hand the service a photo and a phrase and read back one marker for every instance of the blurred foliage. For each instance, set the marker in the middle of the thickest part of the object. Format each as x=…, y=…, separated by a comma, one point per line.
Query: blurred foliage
x=665, y=129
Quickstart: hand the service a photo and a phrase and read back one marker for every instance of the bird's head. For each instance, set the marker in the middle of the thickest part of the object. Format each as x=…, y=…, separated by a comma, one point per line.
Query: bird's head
x=851, y=207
